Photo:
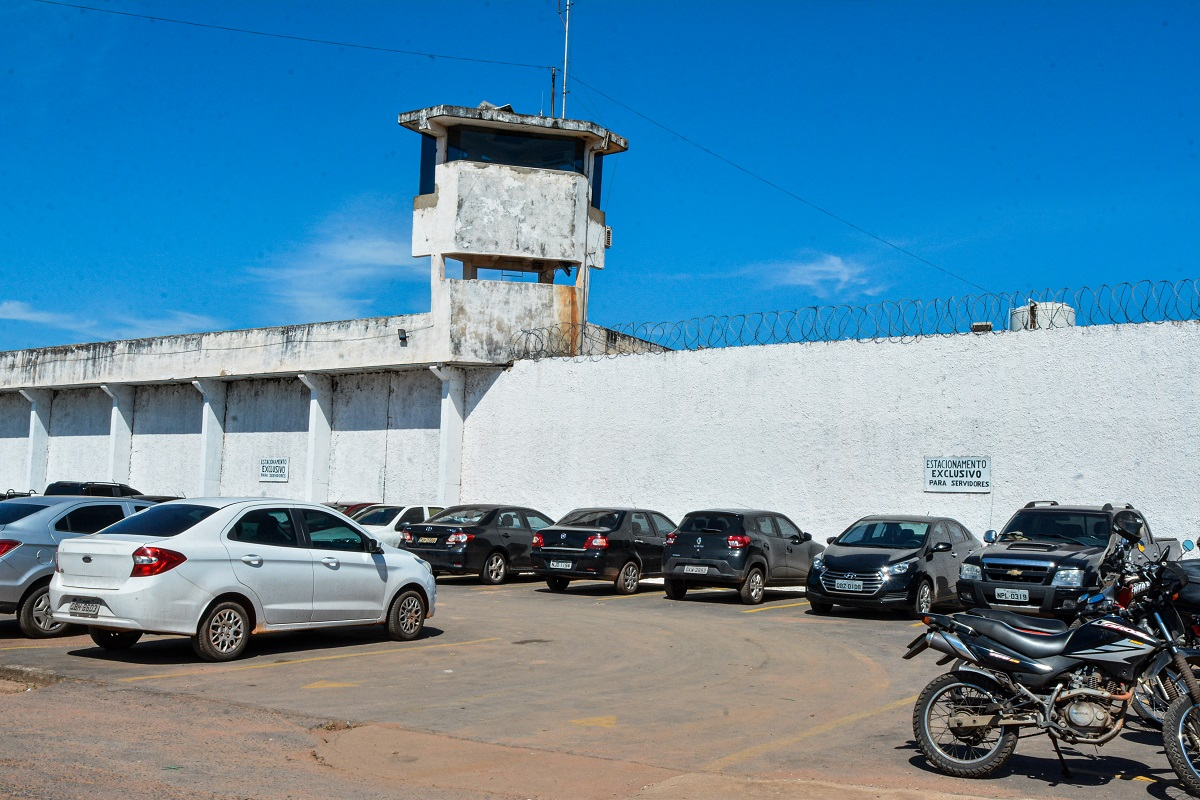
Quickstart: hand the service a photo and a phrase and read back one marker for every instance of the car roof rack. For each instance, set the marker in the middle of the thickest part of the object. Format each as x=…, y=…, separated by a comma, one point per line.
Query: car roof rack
x=1035, y=503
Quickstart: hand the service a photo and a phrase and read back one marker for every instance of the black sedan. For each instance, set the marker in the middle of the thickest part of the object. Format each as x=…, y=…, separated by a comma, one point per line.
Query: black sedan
x=891, y=562
x=490, y=541
x=622, y=545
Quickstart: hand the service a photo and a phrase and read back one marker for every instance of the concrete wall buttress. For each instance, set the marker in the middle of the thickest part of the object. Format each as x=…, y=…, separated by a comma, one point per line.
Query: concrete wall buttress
x=120, y=431
x=212, y=435
x=40, y=401
x=450, y=437
x=320, y=436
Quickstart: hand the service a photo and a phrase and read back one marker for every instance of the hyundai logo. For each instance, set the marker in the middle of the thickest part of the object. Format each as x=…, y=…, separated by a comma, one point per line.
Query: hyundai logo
x=850, y=576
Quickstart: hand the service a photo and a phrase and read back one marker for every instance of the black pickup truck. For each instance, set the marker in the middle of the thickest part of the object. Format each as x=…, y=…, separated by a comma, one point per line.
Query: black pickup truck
x=1047, y=557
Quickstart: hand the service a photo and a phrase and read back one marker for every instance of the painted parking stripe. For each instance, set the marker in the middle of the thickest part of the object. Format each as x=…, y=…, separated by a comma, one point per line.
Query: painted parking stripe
x=339, y=656
x=776, y=744
x=772, y=608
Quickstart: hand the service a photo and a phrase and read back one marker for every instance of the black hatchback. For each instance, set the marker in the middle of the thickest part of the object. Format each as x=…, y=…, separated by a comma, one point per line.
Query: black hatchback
x=891, y=562
x=487, y=540
x=622, y=545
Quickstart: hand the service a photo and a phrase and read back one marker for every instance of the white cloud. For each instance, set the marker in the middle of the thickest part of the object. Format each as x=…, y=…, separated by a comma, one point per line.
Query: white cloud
x=114, y=327
x=825, y=275
x=20, y=311
x=341, y=272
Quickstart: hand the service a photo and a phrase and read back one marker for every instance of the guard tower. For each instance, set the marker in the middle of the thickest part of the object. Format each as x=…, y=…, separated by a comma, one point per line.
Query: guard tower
x=514, y=193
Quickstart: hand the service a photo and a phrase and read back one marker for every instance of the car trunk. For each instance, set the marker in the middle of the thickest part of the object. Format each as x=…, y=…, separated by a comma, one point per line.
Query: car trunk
x=702, y=544
x=425, y=535
x=569, y=538
x=91, y=562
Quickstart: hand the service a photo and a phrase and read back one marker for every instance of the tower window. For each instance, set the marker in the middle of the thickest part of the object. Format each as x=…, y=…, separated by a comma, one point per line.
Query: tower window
x=428, y=162
x=515, y=149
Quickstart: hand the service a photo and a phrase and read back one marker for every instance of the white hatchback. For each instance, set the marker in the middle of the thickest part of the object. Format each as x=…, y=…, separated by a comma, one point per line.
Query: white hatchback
x=217, y=569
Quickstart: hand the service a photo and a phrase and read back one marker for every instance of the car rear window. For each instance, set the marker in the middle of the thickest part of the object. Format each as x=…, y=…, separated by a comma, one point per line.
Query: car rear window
x=171, y=519
x=464, y=515
x=709, y=521
x=11, y=512
x=593, y=518
x=380, y=516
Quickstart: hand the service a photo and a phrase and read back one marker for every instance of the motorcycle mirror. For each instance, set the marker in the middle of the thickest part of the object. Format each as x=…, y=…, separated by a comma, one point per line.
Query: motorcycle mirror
x=990, y=537
x=1128, y=525
x=1188, y=545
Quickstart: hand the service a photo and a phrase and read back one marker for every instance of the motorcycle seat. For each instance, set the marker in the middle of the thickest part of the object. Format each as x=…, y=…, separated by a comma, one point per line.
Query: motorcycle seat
x=1034, y=645
x=1022, y=622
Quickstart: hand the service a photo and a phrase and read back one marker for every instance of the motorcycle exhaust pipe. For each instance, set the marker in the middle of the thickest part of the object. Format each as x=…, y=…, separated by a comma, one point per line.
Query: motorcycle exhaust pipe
x=950, y=644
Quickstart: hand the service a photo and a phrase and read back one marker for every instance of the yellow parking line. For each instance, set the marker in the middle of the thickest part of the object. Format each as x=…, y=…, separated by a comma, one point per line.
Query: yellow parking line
x=389, y=651
x=917, y=625
x=772, y=608
x=775, y=744
x=502, y=588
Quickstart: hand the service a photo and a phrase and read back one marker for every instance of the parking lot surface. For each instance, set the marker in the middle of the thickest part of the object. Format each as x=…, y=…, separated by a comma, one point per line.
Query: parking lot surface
x=516, y=691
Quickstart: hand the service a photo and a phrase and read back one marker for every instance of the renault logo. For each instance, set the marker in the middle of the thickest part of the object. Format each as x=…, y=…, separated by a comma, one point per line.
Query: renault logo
x=699, y=541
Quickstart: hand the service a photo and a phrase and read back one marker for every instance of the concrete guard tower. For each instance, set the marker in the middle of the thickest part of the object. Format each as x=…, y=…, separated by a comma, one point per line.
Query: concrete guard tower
x=515, y=193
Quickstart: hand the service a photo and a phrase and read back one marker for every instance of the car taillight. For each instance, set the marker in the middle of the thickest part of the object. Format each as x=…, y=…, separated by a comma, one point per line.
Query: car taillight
x=596, y=542
x=406, y=537
x=671, y=538
x=458, y=537
x=738, y=541
x=149, y=561
x=538, y=541
x=7, y=546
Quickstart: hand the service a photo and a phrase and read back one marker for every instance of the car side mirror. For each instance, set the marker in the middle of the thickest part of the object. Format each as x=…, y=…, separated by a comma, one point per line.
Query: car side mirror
x=374, y=547
x=830, y=540
x=805, y=536
x=990, y=537
x=941, y=547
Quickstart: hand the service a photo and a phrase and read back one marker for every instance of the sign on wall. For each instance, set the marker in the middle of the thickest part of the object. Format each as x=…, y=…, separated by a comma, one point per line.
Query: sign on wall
x=272, y=470
x=958, y=474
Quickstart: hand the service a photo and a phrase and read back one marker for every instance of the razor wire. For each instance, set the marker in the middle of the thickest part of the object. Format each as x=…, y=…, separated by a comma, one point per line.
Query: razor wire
x=892, y=320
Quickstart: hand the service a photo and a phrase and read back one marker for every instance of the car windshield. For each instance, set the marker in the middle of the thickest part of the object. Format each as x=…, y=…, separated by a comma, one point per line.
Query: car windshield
x=464, y=515
x=708, y=521
x=11, y=512
x=593, y=518
x=378, y=516
x=170, y=519
x=891, y=534
x=1091, y=530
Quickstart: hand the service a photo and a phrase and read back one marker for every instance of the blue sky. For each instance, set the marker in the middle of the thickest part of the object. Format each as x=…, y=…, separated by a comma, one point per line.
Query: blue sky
x=161, y=178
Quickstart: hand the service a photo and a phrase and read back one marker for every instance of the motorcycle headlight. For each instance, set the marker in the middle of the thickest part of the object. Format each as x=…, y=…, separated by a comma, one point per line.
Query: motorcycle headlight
x=970, y=572
x=1068, y=577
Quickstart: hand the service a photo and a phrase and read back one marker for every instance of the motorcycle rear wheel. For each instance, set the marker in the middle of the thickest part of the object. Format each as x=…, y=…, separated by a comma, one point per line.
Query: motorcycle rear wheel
x=970, y=753
x=1181, y=740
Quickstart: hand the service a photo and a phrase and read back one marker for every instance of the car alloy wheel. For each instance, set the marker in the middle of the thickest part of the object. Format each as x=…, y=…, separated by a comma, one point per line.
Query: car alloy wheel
x=628, y=579
x=223, y=633
x=35, y=618
x=226, y=631
x=406, y=616
x=752, y=587
x=924, y=602
x=495, y=569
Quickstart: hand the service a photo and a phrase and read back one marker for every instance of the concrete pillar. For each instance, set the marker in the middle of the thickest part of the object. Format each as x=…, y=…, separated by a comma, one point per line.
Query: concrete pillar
x=320, y=436
x=212, y=436
x=120, y=431
x=40, y=401
x=450, y=433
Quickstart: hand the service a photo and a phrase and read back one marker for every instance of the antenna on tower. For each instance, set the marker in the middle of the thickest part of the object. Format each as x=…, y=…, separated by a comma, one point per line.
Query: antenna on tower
x=565, y=16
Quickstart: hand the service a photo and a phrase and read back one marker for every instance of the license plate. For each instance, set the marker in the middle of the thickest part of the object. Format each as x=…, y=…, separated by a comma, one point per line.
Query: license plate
x=84, y=608
x=848, y=586
x=560, y=565
x=1013, y=595
x=427, y=540
x=690, y=570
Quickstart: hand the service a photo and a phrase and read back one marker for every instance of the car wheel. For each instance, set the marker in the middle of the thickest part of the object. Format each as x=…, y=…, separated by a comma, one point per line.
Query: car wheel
x=676, y=589
x=628, y=578
x=558, y=584
x=114, y=640
x=34, y=618
x=223, y=634
x=922, y=600
x=752, y=588
x=495, y=569
x=406, y=617
x=821, y=608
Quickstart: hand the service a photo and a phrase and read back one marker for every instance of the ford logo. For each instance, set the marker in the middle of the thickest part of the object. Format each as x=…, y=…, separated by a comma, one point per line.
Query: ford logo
x=87, y=559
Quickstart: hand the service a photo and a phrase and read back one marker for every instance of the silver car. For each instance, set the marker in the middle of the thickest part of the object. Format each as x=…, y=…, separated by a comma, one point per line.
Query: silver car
x=31, y=528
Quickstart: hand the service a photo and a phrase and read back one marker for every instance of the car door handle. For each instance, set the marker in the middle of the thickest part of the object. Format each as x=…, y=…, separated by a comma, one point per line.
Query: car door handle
x=638, y=541
x=254, y=561
x=330, y=561
x=506, y=536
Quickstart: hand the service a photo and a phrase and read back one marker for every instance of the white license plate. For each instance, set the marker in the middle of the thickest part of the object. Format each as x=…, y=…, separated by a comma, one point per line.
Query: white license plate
x=84, y=608
x=427, y=540
x=1013, y=595
x=848, y=586
x=693, y=570
x=560, y=565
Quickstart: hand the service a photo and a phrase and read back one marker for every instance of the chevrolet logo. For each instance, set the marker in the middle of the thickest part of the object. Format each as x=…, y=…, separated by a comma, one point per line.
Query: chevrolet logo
x=1014, y=572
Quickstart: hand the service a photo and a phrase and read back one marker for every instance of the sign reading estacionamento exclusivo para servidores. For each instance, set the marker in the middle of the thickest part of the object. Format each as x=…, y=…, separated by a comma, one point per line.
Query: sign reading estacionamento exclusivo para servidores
x=958, y=474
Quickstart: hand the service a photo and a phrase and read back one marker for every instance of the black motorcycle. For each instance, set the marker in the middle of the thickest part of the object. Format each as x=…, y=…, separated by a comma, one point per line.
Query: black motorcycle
x=1074, y=686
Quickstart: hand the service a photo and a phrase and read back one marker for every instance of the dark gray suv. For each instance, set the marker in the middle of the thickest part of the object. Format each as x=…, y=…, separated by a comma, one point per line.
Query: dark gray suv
x=31, y=529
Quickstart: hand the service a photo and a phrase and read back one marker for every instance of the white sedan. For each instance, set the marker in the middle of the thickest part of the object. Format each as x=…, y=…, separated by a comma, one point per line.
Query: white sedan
x=387, y=523
x=217, y=569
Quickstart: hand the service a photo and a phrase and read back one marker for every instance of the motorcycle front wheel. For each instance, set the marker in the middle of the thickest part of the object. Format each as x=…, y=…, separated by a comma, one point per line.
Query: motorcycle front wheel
x=941, y=720
x=1181, y=740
